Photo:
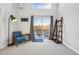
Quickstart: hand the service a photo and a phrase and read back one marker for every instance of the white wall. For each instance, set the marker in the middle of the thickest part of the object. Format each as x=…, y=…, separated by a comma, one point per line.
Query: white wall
x=6, y=11
x=70, y=12
x=0, y=26
x=27, y=11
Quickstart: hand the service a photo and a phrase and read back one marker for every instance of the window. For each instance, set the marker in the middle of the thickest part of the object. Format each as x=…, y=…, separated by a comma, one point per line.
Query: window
x=41, y=6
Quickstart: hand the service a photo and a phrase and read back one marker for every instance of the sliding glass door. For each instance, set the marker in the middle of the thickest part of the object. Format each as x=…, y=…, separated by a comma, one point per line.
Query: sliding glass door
x=41, y=27
x=46, y=26
x=38, y=27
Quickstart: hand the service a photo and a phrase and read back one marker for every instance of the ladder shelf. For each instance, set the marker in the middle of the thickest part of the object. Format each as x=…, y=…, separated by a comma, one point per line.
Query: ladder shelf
x=57, y=32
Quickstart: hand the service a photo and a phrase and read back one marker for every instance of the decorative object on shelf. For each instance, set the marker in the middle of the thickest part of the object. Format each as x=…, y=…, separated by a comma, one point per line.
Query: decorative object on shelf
x=12, y=19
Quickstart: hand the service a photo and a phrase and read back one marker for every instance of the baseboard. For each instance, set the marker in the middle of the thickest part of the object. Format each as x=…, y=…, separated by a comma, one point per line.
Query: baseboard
x=76, y=51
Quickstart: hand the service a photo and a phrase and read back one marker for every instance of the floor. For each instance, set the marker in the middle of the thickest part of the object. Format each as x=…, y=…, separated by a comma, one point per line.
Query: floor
x=47, y=47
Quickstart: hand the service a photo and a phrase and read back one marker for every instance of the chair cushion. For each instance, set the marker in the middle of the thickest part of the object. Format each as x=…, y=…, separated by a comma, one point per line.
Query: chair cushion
x=18, y=35
x=20, y=39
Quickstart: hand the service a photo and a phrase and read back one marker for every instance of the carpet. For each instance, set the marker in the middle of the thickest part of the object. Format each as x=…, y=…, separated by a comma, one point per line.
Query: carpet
x=38, y=40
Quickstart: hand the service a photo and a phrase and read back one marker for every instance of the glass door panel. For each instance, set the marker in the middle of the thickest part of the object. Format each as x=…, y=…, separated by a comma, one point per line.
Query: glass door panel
x=38, y=27
x=46, y=26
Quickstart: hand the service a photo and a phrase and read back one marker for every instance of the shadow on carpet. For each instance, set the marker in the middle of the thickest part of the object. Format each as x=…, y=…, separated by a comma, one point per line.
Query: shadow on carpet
x=37, y=40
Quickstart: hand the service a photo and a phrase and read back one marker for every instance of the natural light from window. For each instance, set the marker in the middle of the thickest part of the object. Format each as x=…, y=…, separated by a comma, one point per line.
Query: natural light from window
x=41, y=6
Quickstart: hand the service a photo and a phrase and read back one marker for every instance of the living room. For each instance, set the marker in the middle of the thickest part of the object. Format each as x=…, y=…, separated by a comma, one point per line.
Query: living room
x=22, y=11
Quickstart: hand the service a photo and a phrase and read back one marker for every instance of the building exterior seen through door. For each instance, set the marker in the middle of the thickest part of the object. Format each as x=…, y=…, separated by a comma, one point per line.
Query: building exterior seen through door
x=41, y=27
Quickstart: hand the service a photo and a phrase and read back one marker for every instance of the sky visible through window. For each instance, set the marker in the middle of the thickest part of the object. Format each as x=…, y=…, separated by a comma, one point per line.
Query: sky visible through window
x=41, y=6
x=42, y=20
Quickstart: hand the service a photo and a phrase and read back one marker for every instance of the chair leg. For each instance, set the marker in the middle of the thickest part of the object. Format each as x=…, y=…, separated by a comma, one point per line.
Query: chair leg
x=16, y=44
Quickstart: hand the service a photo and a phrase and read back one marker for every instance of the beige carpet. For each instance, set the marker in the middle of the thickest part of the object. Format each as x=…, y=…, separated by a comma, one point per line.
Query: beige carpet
x=47, y=47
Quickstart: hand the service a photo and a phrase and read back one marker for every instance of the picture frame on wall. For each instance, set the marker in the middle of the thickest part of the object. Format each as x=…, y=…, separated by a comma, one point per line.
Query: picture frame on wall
x=24, y=19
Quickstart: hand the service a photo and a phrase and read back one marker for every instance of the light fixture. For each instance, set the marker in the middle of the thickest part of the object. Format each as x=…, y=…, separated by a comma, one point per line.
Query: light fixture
x=12, y=19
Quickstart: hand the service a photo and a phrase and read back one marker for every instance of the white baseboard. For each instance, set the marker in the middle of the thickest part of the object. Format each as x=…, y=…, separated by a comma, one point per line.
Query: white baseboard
x=75, y=50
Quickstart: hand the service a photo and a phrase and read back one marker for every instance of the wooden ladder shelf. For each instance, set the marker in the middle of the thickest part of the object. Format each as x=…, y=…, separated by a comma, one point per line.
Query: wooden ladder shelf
x=57, y=33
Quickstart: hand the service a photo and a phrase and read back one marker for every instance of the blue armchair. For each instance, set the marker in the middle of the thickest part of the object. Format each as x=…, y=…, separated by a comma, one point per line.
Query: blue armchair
x=18, y=37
